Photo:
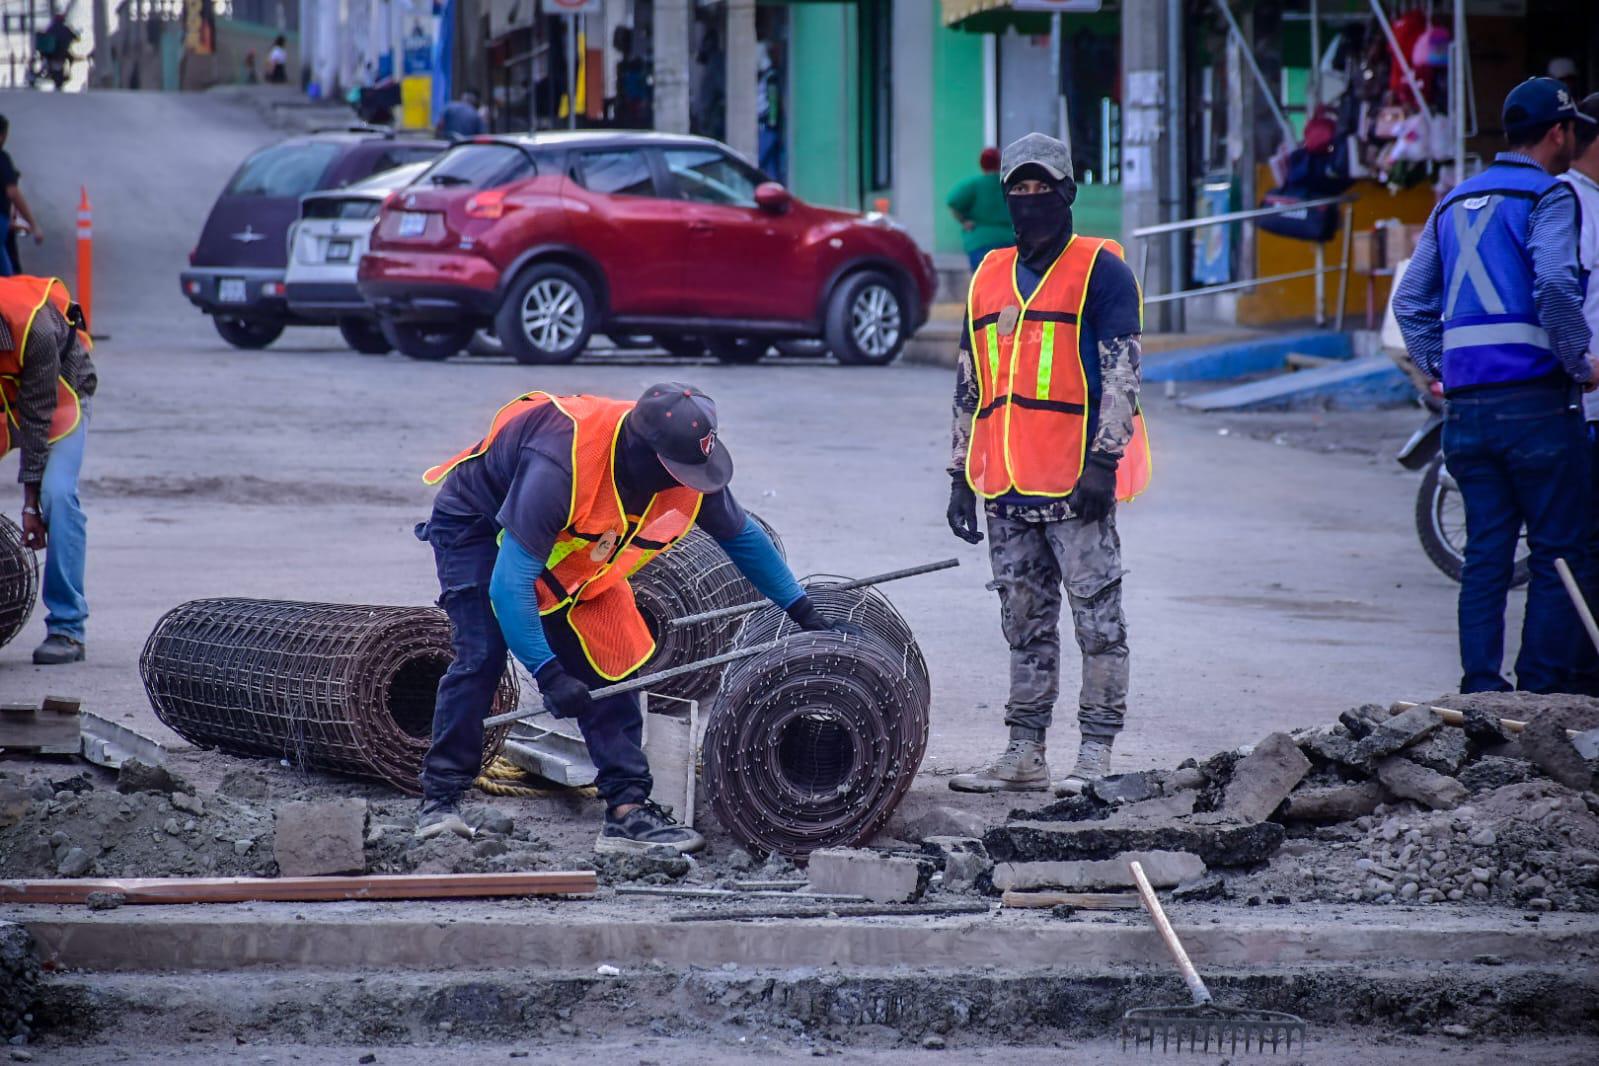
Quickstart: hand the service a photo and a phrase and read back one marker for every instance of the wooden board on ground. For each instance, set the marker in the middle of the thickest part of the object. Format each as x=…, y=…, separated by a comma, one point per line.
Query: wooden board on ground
x=48, y=730
x=1085, y=901
x=303, y=889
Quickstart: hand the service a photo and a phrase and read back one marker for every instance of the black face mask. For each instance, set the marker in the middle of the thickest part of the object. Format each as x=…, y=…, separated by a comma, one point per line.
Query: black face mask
x=638, y=468
x=1043, y=225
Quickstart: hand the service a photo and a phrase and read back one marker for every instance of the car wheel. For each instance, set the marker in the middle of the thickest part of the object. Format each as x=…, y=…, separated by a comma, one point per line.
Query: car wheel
x=681, y=345
x=365, y=336
x=866, y=320
x=547, y=315
x=740, y=351
x=430, y=341
x=248, y=333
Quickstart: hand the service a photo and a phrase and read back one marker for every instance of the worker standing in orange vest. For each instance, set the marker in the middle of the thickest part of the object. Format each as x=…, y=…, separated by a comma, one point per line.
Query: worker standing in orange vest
x=46, y=382
x=534, y=534
x=1048, y=432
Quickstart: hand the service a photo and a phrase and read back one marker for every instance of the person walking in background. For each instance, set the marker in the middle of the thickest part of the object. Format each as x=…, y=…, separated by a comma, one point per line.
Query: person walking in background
x=278, y=61
x=16, y=205
x=1492, y=306
x=460, y=119
x=978, y=203
x=1583, y=177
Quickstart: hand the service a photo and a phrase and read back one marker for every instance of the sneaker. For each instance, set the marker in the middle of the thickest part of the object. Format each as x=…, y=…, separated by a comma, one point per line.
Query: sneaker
x=1021, y=767
x=59, y=648
x=1093, y=762
x=441, y=815
x=644, y=827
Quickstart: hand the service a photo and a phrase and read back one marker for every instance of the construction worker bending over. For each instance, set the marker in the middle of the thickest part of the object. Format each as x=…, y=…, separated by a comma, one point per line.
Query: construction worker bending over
x=534, y=534
x=1048, y=433
x=46, y=381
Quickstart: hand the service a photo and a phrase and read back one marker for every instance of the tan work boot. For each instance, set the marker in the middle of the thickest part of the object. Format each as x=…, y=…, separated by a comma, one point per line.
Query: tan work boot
x=1021, y=767
x=1093, y=762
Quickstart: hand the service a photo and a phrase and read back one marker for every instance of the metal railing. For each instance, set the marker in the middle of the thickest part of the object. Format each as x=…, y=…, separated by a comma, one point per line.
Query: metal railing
x=1319, y=271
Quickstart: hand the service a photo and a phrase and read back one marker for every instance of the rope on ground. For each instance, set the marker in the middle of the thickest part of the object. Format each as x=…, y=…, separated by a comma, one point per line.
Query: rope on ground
x=504, y=778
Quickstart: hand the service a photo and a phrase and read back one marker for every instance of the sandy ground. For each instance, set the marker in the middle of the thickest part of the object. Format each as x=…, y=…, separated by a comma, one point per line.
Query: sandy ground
x=1268, y=586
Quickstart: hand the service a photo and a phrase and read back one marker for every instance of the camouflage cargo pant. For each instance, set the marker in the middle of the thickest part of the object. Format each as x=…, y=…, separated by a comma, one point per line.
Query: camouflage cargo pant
x=1032, y=560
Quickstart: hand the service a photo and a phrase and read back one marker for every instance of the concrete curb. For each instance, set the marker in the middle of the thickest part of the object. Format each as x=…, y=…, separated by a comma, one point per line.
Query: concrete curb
x=1358, y=385
x=565, y=935
x=1236, y=359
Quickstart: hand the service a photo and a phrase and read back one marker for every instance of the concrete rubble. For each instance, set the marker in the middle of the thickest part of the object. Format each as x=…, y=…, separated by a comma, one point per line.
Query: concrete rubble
x=316, y=838
x=880, y=877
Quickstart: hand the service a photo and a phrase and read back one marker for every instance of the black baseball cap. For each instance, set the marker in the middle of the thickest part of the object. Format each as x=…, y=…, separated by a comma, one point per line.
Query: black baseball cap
x=679, y=422
x=1537, y=102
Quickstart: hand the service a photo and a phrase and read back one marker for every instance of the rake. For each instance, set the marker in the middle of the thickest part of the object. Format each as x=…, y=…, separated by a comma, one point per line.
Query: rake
x=1202, y=1023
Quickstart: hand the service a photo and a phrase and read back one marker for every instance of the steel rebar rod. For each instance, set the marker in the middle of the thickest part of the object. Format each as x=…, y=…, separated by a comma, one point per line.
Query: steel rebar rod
x=857, y=583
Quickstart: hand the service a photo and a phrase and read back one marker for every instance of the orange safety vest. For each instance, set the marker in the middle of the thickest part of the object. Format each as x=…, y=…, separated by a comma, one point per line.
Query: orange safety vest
x=21, y=298
x=602, y=545
x=1030, y=432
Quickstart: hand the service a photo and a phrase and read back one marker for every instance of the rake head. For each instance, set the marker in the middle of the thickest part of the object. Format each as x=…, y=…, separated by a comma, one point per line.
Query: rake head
x=1208, y=1027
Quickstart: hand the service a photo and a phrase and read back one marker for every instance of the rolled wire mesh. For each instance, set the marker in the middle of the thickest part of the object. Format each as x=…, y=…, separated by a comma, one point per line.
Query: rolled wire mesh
x=338, y=687
x=693, y=575
x=19, y=581
x=814, y=743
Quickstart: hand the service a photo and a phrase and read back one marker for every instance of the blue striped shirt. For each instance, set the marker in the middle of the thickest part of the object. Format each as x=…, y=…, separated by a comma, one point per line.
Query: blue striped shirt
x=1557, y=287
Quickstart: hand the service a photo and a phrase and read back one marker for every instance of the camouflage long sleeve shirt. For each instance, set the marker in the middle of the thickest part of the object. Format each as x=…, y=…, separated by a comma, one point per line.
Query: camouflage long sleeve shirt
x=1119, y=376
x=53, y=352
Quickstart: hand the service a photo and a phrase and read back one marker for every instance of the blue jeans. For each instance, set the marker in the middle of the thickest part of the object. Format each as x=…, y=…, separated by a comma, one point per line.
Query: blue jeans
x=1520, y=457
x=62, y=592
x=464, y=550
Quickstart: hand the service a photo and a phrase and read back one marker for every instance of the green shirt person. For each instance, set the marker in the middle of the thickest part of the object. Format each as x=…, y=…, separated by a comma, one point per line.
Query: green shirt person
x=978, y=203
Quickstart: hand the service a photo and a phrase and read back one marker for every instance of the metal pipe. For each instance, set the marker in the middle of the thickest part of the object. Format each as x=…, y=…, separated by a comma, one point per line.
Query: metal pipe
x=1321, y=283
x=1400, y=57
x=1233, y=286
x=1315, y=57
x=859, y=583
x=1343, y=274
x=641, y=682
x=1176, y=156
x=1457, y=88
x=1254, y=68
x=1239, y=216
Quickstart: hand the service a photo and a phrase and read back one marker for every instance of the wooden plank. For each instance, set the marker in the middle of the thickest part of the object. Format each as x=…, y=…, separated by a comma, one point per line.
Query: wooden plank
x=1458, y=719
x=304, y=889
x=32, y=729
x=61, y=705
x=1086, y=901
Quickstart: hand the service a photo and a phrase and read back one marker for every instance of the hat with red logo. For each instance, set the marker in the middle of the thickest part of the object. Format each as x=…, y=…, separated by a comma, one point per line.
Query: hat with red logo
x=679, y=422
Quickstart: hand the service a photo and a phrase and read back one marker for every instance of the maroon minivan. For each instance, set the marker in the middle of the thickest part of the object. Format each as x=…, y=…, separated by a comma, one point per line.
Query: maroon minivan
x=235, y=273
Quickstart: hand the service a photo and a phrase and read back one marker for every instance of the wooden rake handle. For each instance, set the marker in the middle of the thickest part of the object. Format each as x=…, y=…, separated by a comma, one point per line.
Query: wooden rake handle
x=1191, y=978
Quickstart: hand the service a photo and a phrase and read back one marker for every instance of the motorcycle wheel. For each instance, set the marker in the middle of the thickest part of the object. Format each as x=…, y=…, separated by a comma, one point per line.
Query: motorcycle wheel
x=1441, y=525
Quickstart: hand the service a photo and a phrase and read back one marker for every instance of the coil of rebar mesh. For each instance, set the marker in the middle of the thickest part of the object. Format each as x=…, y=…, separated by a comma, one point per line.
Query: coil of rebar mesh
x=815, y=743
x=19, y=581
x=693, y=575
x=340, y=687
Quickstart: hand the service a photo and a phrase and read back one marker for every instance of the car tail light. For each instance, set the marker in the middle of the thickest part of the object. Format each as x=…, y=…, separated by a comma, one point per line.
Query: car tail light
x=272, y=288
x=192, y=253
x=488, y=204
x=193, y=287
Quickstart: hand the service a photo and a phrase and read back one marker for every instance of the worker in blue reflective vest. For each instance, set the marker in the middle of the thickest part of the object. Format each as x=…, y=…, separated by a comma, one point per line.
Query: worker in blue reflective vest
x=1492, y=306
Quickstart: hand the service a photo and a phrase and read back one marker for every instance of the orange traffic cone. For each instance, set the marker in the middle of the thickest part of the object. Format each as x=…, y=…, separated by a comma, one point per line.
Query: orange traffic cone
x=85, y=289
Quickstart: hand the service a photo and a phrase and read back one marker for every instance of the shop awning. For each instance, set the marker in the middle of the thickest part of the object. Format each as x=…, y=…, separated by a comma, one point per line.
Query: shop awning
x=1025, y=16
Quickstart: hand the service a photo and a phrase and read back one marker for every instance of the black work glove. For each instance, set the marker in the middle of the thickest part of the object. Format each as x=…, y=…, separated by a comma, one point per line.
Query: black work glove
x=564, y=695
x=808, y=617
x=962, y=513
x=1095, y=493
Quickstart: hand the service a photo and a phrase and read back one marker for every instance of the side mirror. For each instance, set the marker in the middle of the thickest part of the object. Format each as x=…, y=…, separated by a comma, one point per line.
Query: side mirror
x=772, y=197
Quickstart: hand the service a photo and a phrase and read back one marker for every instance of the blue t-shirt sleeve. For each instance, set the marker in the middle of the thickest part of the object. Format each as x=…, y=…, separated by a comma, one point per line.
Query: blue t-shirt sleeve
x=1111, y=307
x=538, y=502
x=513, y=590
x=756, y=557
x=721, y=516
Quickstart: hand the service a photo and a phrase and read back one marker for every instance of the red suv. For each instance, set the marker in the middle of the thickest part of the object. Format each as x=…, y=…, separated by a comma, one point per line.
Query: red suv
x=551, y=237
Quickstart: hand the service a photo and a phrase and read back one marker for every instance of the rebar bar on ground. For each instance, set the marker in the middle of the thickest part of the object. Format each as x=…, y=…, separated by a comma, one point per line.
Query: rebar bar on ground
x=340, y=687
x=19, y=581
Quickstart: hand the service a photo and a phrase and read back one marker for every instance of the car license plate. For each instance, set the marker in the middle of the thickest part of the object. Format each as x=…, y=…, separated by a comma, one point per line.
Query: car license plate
x=338, y=251
x=231, y=291
x=413, y=223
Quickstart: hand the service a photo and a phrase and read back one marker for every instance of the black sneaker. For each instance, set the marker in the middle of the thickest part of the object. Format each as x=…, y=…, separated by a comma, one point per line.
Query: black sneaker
x=644, y=827
x=441, y=815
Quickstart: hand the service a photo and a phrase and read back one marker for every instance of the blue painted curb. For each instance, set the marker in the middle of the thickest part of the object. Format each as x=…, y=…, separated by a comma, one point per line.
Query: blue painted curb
x=1356, y=385
x=1223, y=362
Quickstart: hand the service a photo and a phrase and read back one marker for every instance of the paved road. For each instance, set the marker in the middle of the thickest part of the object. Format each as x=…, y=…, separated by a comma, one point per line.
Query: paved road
x=1269, y=586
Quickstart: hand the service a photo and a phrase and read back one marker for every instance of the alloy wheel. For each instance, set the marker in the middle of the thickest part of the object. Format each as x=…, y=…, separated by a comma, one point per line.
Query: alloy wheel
x=874, y=321
x=552, y=314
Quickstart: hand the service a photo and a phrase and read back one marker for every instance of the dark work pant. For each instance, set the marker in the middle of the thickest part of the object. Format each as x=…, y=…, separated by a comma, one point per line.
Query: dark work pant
x=1520, y=457
x=1586, y=677
x=464, y=550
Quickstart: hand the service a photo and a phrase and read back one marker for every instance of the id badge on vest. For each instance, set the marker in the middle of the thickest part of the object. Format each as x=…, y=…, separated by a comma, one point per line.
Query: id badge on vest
x=604, y=546
x=1008, y=318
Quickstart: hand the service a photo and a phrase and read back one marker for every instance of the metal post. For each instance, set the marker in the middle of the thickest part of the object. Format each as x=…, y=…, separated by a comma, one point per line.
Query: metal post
x=1457, y=89
x=1254, y=68
x=1321, y=283
x=1176, y=181
x=1343, y=275
x=1315, y=58
x=571, y=72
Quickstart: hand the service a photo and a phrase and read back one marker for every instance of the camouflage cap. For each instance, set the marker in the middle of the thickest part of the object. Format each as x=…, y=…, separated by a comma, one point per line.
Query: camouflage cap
x=1039, y=149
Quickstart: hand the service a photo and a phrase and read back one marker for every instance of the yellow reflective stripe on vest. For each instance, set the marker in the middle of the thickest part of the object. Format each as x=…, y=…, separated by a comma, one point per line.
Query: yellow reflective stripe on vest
x=1046, y=361
x=561, y=550
x=991, y=331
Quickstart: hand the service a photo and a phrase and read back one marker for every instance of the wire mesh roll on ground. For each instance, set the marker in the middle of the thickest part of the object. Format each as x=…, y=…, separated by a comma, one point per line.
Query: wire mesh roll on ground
x=814, y=743
x=19, y=581
x=339, y=687
x=693, y=575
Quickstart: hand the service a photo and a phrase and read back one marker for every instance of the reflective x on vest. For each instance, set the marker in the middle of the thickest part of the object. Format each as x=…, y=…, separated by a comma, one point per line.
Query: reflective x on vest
x=1029, y=433
x=588, y=566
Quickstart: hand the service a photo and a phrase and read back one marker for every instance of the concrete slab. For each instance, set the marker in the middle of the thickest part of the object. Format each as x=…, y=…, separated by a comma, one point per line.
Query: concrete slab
x=1358, y=385
x=1242, y=358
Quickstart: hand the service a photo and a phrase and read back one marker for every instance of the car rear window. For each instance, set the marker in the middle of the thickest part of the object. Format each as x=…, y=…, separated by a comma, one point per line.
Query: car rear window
x=284, y=170
x=353, y=208
x=481, y=166
x=624, y=173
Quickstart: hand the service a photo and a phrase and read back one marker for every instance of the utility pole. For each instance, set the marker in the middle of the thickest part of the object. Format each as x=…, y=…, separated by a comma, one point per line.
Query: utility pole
x=671, y=65
x=1151, y=192
x=100, y=65
x=741, y=74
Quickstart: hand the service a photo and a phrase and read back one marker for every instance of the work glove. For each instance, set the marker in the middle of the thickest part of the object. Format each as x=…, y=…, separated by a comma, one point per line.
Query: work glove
x=1095, y=493
x=962, y=513
x=808, y=617
x=564, y=695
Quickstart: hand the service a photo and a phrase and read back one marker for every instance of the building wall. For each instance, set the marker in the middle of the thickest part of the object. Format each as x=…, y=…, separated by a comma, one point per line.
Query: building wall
x=958, y=122
x=823, y=150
